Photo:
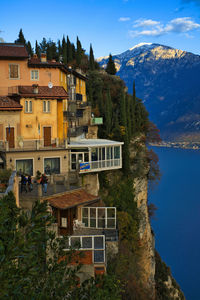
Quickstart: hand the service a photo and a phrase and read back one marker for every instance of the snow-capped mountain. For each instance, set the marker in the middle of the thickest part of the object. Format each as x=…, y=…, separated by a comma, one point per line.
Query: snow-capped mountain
x=167, y=80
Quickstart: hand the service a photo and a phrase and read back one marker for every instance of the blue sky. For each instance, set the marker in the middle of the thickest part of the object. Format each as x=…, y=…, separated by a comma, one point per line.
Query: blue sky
x=112, y=26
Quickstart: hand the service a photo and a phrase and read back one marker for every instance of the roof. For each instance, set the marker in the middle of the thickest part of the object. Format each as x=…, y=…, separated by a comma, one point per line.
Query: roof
x=71, y=199
x=7, y=103
x=11, y=50
x=36, y=62
x=57, y=92
x=93, y=143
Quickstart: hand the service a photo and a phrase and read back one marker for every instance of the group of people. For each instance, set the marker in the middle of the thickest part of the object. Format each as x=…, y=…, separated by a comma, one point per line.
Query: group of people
x=26, y=182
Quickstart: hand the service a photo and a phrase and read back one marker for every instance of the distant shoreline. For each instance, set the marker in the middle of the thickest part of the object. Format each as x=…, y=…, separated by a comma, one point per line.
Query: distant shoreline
x=180, y=145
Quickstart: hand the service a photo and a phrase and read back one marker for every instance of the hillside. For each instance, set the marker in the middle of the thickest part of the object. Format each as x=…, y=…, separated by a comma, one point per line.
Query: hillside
x=167, y=81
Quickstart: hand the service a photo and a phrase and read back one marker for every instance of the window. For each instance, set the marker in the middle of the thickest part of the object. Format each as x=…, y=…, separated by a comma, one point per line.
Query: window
x=52, y=166
x=34, y=75
x=99, y=217
x=25, y=166
x=46, y=106
x=13, y=71
x=64, y=222
x=28, y=106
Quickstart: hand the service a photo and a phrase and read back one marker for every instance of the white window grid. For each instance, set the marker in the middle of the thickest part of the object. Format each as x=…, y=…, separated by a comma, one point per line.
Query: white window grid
x=34, y=75
x=95, y=249
x=46, y=106
x=97, y=217
x=28, y=106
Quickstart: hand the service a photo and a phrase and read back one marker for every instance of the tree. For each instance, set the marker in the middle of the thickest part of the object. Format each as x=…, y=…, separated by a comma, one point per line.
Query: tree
x=29, y=48
x=110, y=69
x=43, y=46
x=91, y=59
x=37, y=49
x=21, y=38
x=132, y=110
x=108, y=113
x=69, y=51
x=33, y=263
x=78, y=51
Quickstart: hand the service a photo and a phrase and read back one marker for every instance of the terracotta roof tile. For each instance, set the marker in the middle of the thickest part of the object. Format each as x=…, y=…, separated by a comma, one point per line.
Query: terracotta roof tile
x=7, y=103
x=71, y=199
x=13, y=51
x=57, y=92
x=37, y=62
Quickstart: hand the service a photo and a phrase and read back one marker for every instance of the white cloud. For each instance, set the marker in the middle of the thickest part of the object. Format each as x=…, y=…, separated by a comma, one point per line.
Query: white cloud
x=178, y=25
x=124, y=19
x=145, y=23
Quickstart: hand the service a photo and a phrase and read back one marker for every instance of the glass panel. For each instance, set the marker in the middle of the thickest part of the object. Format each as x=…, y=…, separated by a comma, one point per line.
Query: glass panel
x=108, y=152
x=30, y=106
x=73, y=157
x=116, y=152
x=48, y=106
x=98, y=242
x=80, y=157
x=101, y=212
x=93, y=212
x=85, y=212
x=85, y=221
x=25, y=166
x=44, y=106
x=26, y=106
x=110, y=223
x=111, y=148
x=87, y=242
x=52, y=166
x=75, y=242
x=92, y=222
x=73, y=166
x=94, y=153
x=86, y=157
x=103, y=153
x=64, y=222
x=110, y=212
x=101, y=223
x=99, y=256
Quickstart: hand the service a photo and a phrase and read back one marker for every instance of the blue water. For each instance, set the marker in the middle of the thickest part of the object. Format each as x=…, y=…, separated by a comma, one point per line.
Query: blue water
x=177, y=221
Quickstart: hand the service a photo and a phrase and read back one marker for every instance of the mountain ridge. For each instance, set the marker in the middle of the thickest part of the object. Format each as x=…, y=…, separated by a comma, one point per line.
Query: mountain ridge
x=166, y=80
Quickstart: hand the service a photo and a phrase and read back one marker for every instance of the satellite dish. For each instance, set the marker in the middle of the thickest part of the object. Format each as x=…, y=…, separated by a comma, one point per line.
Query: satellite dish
x=50, y=85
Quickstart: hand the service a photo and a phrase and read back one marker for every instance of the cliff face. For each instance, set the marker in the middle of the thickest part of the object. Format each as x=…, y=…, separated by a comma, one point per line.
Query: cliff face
x=147, y=243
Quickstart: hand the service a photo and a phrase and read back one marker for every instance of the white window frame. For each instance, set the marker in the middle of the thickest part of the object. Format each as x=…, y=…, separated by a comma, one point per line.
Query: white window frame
x=60, y=157
x=46, y=106
x=28, y=106
x=33, y=77
x=97, y=217
x=18, y=71
x=93, y=249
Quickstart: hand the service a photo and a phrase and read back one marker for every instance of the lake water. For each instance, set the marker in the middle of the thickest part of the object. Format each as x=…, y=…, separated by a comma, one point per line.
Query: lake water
x=177, y=221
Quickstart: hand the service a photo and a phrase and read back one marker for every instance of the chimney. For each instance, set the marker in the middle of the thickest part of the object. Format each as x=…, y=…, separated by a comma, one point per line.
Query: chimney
x=43, y=57
x=35, y=88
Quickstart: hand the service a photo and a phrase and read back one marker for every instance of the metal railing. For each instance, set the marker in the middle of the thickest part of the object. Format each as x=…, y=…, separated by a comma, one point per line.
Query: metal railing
x=22, y=145
x=101, y=164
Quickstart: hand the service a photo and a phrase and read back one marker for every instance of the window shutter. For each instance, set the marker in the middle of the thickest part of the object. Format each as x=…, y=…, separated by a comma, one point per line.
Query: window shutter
x=18, y=129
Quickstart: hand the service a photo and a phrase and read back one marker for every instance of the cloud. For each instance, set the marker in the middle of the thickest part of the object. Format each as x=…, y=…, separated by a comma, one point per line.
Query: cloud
x=124, y=19
x=178, y=25
x=145, y=23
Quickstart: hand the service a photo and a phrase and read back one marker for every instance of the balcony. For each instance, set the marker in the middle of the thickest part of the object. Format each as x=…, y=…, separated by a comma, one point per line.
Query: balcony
x=32, y=145
x=101, y=165
x=96, y=121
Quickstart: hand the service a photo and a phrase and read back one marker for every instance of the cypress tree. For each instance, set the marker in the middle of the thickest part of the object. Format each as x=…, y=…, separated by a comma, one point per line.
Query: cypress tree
x=64, y=51
x=21, y=38
x=60, y=56
x=78, y=51
x=29, y=49
x=122, y=110
x=43, y=46
x=69, y=51
x=73, y=51
x=37, y=49
x=128, y=117
x=110, y=69
x=91, y=59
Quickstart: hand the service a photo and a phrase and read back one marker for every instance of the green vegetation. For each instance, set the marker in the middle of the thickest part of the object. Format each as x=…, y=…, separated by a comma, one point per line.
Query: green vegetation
x=32, y=264
x=110, y=69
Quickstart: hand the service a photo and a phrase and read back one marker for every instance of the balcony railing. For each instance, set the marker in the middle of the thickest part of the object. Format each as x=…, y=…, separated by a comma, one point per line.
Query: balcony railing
x=92, y=166
x=23, y=145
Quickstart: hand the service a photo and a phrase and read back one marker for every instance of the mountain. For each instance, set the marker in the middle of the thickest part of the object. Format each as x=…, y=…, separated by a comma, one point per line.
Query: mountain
x=167, y=80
